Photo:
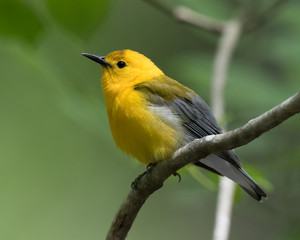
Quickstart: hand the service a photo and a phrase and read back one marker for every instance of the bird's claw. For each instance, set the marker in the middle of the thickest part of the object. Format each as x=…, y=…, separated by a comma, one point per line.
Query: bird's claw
x=150, y=166
x=176, y=174
x=149, y=169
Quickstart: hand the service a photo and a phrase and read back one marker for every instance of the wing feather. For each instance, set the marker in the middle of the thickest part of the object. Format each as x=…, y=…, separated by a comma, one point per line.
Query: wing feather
x=197, y=121
x=195, y=115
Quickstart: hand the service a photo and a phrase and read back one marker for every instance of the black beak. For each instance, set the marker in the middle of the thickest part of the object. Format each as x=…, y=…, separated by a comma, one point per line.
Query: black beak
x=98, y=59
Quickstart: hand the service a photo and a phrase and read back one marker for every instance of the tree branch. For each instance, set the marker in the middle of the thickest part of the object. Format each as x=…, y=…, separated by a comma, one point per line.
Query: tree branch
x=188, y=16
x=225, y=51
x=193, y=151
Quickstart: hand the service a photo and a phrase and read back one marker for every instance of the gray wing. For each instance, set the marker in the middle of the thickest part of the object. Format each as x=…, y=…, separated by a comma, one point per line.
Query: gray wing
x=194, y=113
x=198, y=122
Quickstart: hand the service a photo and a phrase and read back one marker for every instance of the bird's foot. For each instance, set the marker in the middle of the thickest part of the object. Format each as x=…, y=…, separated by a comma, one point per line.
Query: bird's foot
x=136, y=181
x=176, y=174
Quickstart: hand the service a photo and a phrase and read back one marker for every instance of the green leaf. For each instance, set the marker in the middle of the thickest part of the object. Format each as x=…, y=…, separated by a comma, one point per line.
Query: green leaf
x=19, y=20
x=79, y=17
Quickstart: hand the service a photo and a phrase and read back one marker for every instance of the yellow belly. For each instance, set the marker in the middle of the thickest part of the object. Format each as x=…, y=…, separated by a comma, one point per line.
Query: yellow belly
x=138, y=131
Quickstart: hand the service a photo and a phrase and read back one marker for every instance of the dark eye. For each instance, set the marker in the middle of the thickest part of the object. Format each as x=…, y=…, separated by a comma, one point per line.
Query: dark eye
x=121, y=64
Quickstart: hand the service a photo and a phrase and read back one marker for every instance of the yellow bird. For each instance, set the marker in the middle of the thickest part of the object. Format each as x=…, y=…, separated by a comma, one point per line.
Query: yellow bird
x=152, y=115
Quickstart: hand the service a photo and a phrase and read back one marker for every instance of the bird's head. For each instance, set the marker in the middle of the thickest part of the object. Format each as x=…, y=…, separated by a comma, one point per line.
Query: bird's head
x=125, y=67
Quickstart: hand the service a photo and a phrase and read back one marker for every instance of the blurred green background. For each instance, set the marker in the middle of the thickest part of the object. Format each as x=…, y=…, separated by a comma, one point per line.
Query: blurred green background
x=62, y=176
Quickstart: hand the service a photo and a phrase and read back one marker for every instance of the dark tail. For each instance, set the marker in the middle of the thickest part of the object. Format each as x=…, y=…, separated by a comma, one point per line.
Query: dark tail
x=232, y=170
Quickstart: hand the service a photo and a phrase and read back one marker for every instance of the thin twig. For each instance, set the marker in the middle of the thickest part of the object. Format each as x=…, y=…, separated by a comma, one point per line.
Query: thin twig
x=188, y=16
x=192, y=152
x=255, y=21
x=224, y=53
x=226, y=47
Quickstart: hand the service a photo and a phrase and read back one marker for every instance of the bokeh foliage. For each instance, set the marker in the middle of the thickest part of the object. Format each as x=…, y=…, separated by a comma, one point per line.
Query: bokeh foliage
x=61, y=174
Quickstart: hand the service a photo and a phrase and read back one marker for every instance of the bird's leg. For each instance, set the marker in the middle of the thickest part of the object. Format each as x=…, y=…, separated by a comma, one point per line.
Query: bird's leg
x=150, y=166
x=149, y=169
x=176, y=174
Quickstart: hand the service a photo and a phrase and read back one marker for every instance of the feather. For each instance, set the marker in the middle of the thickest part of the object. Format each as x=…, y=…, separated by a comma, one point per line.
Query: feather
x=184, y=109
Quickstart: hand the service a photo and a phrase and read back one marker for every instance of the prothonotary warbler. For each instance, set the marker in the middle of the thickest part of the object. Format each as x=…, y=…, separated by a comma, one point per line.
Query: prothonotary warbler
x=152, y=115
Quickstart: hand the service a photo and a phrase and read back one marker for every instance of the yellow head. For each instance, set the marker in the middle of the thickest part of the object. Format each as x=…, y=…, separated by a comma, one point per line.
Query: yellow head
x=125, y=68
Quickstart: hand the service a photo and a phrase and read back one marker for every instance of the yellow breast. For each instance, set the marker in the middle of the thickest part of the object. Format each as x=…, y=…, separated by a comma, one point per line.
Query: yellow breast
x=137, y=130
